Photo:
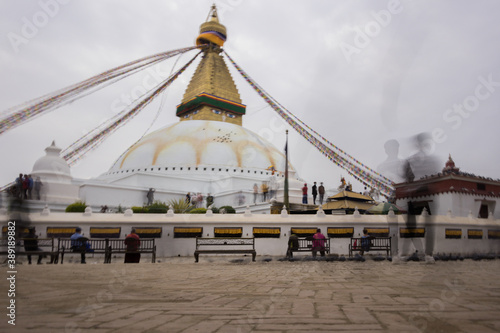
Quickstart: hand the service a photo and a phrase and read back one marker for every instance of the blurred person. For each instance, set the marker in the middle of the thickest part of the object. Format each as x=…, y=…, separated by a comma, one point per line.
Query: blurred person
x=304, y=194
x=321, y=191
x=26, y=185
x=265, y=190
x=293, y=245
x=210, y=200
x=366, y=192
x=241, y=198
x=314, y=192
x=19, y=186
x=273, y=187
x=366, y=242
x=150, y=196
x=393, y=166
x=199, y=200
x=30, y=186
x=318, y=243
x=31, y=244
x=255, y=193
x=38, y=187
x=421, y=162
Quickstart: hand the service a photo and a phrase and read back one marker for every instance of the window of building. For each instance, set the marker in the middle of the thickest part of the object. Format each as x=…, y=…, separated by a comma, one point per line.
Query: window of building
x=378, y=232
x=60, y=232
x=411, y=232
x=493, y=234
x=188, y=232
x=266, y=232
x=303, y=232
x=105, y=232
x=453, y=233
x=228, y=232
x=148, y=232
x=475, y=234
x=339, y=232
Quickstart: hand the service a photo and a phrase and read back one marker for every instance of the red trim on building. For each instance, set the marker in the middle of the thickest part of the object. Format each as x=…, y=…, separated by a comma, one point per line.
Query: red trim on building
x=449, y=183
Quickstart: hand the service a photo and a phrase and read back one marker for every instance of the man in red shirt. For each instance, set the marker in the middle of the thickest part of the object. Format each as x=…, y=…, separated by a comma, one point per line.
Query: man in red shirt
x=304, y=194
x=132, y=241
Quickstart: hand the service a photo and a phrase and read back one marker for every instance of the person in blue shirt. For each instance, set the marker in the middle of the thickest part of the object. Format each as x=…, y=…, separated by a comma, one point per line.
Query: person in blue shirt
x=78, y=243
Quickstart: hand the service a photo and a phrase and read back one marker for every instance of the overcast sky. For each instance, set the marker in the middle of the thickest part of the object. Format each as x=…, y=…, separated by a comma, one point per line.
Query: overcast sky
x=358, y=72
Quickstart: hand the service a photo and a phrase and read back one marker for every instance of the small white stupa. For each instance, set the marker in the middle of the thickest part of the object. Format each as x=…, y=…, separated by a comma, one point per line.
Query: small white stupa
x=57, y=187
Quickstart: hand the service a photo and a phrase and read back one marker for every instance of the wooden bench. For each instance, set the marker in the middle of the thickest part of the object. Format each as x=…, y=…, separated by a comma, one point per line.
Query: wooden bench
x=224, y=246
x=376, y=244
x=305, y=244
x=33, y=247
x=146, y=246
x=97, y=246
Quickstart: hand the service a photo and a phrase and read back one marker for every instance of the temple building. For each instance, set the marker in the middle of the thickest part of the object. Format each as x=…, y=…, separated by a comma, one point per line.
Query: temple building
x=451, y=192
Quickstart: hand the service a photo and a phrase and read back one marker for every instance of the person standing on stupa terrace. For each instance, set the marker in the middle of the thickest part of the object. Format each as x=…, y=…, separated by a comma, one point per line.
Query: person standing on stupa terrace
x=314, y=191
x=265, y=190
x=321, y=191
x=38, y=187
x=30, y=186
x=151, y=196
x=304, y=194
x=255, y=192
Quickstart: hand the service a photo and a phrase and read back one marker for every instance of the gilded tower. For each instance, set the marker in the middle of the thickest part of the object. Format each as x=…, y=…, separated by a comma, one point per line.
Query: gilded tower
x=212, y=93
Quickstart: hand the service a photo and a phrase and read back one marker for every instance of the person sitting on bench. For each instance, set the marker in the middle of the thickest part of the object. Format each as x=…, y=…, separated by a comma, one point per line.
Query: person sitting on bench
x=132, y=242
x=318, y=243
x=79, y=244
x=366, y=242
x=293, y=245
x=31, y=244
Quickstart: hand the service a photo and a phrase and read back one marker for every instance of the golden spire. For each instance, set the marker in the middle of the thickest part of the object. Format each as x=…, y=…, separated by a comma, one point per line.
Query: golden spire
x=211, y=93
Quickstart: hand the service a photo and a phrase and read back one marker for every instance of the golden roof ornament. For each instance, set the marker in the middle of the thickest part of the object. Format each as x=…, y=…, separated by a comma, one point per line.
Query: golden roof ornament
x=212, y=32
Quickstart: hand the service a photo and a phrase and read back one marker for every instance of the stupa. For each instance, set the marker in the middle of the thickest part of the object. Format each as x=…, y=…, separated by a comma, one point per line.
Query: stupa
x=208, y=151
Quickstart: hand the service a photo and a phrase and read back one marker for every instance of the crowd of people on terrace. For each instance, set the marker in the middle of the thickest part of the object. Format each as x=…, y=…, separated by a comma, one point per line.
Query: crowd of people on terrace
x=25, y=187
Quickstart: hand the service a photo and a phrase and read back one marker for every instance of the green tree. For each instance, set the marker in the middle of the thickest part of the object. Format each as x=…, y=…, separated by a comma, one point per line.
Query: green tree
x=76, y=207
x=180, y=206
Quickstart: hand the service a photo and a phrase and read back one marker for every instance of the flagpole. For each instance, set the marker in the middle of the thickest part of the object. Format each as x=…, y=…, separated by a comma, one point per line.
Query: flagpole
x=287, y=204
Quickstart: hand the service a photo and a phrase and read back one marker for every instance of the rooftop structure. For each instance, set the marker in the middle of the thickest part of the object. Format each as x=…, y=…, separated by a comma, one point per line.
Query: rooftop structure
x=452, y=191
x=348, y=201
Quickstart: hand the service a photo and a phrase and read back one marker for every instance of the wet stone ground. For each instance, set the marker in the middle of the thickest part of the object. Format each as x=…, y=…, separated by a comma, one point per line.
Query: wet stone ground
x=234, y=294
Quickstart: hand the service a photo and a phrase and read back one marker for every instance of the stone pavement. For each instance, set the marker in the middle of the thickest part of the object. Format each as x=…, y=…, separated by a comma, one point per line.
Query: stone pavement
x=233, y=294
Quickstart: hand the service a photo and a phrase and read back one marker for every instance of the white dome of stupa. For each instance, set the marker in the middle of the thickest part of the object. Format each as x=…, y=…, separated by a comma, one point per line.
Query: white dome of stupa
x=200, y=143
x=52, y=166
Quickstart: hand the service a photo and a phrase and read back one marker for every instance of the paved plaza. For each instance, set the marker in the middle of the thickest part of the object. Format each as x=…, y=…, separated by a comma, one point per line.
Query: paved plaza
x=232, y=294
